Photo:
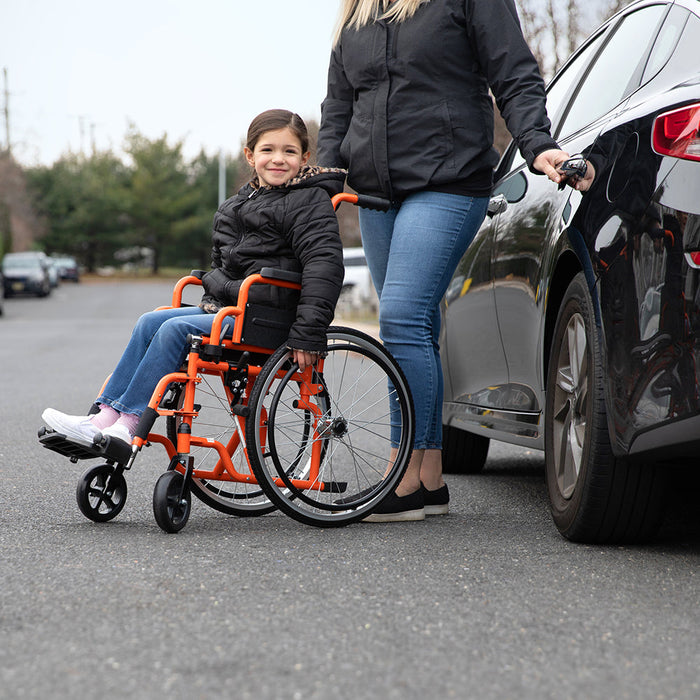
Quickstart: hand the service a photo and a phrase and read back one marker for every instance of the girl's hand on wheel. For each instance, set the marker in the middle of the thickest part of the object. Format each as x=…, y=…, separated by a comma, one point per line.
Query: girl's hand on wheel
x=304, y=359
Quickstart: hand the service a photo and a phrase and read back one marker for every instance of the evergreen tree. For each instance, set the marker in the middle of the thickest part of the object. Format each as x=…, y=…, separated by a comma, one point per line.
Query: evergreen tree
x=84, y=202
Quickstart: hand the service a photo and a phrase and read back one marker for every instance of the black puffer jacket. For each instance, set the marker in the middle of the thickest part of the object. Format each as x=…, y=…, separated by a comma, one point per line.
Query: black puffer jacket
x=408, y=105
x=291, y=227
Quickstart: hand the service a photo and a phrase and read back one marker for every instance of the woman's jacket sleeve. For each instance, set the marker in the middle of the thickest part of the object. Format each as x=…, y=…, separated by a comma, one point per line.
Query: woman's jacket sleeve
x=336, y=111
x=512, y=73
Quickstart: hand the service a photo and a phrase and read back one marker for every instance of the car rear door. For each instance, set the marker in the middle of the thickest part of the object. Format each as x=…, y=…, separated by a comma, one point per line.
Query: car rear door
x=528, y=231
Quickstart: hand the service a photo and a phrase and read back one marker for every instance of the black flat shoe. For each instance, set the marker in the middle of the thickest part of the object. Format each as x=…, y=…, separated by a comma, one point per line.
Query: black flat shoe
x=436, y=502
x=356, y=496
x=399, y=509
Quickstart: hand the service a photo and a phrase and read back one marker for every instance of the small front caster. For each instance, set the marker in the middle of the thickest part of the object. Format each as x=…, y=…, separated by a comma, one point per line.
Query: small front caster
x=101, y=493
x=171, y=501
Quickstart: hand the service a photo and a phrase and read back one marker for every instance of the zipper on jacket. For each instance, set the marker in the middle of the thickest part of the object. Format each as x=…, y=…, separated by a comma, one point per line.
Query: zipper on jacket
x=394, y=39
x=392, y=32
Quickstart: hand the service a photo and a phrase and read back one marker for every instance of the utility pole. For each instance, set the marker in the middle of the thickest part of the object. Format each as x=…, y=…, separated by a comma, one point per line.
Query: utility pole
x=222, y=176
x=6, y=112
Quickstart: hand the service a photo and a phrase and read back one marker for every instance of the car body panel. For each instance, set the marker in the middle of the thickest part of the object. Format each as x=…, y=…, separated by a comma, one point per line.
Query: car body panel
x=631, y=234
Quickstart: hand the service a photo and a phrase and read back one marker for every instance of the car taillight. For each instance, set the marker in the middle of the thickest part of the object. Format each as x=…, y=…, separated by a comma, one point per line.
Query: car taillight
x=677, y=133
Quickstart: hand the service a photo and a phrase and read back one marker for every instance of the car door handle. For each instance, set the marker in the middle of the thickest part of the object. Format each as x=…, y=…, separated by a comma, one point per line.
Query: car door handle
x=497, y=205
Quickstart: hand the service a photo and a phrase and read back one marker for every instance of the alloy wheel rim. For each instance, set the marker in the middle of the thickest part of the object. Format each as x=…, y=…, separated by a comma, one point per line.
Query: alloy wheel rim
x=570, y=405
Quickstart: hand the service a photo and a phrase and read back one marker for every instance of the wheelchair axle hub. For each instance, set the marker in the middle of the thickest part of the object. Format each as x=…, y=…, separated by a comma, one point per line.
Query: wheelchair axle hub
x=336, y=427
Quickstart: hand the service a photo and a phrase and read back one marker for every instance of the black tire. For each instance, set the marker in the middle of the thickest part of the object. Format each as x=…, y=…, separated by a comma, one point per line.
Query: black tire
x=101, y=493
x=171, y=504
x=346, y=424
x=595, y=497
x=217, y=423
x=463, y=452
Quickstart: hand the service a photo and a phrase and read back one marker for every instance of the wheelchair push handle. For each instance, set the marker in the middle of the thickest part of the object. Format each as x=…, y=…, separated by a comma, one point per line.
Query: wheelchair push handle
x=362, y=200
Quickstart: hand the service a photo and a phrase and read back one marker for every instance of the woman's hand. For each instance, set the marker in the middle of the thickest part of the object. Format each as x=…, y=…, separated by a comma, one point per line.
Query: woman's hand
x=304, y=358
x=548, y=161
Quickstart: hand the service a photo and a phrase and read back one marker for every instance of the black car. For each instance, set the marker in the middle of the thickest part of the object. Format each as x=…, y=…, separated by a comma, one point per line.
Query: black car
x=26, y=273
x=572, y=322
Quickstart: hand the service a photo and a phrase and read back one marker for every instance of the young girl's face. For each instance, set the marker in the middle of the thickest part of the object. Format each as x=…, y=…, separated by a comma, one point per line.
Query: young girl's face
x=277, y=157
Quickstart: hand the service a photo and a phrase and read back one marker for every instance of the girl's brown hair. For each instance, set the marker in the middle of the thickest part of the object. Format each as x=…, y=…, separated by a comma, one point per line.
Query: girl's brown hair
x=274, y=119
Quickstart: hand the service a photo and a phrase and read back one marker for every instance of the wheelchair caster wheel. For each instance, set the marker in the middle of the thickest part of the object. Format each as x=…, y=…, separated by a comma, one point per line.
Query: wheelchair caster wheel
x=101, y=493
x=171, y=502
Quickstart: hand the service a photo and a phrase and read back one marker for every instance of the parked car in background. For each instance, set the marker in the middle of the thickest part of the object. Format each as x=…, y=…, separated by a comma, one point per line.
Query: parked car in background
x=572, y=322
x=54, y=277
x=358, y=290
x=25, y=273
x=2, y=296
x=67, y=267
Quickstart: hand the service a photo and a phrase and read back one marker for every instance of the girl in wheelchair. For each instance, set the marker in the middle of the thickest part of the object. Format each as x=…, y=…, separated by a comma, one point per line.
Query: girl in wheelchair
x=283, y=218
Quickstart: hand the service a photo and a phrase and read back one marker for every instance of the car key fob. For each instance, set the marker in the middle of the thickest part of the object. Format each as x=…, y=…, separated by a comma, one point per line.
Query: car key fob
x=574, y=169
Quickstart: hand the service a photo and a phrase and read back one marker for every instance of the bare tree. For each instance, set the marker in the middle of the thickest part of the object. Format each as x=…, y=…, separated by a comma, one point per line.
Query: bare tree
x=573, y=29
x=19, y=225
x=554, y=29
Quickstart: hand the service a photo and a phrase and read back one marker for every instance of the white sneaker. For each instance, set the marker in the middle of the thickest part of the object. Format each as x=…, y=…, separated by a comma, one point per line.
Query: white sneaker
x=78, y=428
x=118, y=431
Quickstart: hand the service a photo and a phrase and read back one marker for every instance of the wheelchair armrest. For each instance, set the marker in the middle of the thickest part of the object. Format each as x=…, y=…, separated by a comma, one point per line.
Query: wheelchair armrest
x=195, y=278
x=285, y=275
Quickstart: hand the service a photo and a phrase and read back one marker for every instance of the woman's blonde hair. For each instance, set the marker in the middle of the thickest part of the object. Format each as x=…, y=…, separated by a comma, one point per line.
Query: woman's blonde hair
x=358, y=13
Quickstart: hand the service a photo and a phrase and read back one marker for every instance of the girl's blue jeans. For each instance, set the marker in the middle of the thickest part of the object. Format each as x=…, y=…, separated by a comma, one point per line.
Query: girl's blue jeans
x=158, y=346
x=412, y=252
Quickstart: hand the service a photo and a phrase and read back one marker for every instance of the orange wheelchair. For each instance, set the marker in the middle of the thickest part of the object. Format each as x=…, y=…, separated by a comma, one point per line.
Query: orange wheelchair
x=246, y=432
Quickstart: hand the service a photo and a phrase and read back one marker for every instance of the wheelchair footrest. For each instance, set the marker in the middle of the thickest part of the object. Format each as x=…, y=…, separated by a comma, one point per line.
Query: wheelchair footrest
x=114, y=450
x=335, y=486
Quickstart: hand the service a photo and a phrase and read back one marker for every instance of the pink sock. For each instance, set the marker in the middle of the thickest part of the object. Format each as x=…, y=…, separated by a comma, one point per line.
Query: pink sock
x=129, y=421
x=106, y=417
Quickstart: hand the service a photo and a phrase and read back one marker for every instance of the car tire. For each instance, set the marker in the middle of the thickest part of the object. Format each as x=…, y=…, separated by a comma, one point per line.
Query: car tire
x=595, y=497
x=463, y=452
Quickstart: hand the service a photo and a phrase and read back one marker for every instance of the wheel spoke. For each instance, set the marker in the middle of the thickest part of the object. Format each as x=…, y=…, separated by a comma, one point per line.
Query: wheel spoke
x=339, y=435
x=570, y=404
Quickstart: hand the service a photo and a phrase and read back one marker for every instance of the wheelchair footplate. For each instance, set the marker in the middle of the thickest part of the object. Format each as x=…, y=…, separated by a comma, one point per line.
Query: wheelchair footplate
x=106, y=448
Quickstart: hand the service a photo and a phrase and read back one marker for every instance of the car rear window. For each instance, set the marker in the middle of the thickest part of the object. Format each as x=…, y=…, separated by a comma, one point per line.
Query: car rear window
x=608, y=81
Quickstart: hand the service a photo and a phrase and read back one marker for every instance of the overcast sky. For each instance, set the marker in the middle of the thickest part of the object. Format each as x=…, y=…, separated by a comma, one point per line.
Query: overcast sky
x=198, y=71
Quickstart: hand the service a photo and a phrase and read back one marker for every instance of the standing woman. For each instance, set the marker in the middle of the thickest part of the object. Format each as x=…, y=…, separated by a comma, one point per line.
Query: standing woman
x=409, y=114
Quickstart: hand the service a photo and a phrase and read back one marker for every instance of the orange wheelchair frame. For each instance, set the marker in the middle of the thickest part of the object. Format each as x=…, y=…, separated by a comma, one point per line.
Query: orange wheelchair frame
x=325, y=445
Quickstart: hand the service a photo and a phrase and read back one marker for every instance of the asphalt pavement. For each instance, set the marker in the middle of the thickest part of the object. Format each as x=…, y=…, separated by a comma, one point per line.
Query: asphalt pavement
x=487, y=602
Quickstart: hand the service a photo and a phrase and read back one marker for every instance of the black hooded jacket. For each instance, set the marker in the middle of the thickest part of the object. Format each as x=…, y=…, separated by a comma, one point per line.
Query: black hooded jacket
x=290, y=227
x=408, y=105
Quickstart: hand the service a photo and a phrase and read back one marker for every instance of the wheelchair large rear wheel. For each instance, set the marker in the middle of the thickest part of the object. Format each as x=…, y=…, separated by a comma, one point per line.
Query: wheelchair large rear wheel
x=216, y=422
x=321, y=449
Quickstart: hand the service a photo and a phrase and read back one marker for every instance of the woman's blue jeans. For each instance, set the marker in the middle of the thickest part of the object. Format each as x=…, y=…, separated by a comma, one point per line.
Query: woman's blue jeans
x=158, y=346
x=412, y=252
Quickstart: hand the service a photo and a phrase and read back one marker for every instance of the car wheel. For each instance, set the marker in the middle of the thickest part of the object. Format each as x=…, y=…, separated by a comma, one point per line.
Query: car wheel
x=595, y=497
x=463, y=452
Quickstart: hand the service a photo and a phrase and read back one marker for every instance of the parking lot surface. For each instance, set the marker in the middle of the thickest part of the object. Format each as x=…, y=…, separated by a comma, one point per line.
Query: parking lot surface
x=487, y=602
